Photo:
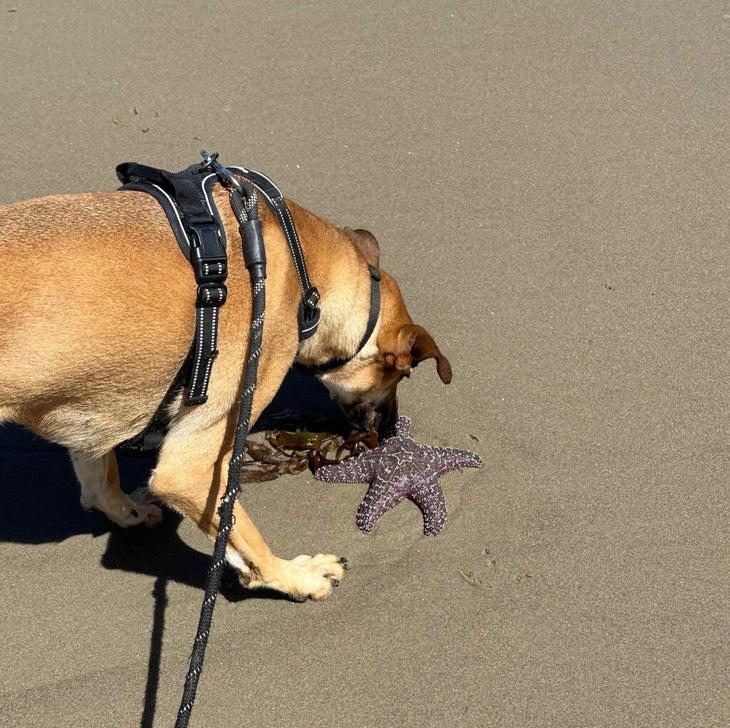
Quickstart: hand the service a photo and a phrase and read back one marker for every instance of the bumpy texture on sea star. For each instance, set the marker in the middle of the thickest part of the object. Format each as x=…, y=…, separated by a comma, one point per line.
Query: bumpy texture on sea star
x=401, y=468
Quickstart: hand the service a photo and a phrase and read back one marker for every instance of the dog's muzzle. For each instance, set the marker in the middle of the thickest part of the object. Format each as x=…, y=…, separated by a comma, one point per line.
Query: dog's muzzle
x=365, y=415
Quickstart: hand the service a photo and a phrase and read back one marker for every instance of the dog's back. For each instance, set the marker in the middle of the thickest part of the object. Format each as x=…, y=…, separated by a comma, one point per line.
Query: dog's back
x=96, y=305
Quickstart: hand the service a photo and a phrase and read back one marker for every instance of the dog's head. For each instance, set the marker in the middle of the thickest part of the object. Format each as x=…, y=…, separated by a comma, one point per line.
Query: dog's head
x=366, y=386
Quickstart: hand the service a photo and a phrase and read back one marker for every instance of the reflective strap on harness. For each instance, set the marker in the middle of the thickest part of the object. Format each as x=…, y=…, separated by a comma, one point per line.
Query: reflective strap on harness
x=208, y=256
x=186, y=200
x=309, y=313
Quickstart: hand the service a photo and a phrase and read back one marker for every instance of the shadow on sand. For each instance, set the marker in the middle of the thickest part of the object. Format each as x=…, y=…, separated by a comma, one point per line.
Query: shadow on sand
x=41, y=505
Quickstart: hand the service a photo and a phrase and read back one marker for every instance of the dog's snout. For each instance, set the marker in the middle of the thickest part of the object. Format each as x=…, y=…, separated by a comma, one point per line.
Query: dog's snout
x=367, y=415
x=361, y=415
x=388, y=418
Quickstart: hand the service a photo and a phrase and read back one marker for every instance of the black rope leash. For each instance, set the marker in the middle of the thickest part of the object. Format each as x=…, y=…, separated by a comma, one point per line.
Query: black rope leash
x=255, y=259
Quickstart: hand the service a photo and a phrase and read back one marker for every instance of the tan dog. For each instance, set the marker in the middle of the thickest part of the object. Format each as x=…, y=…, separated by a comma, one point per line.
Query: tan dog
x=97, y=311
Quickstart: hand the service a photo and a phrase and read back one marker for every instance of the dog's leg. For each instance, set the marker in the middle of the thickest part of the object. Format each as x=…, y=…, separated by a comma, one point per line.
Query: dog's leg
x=189, y=480
x=100, y=488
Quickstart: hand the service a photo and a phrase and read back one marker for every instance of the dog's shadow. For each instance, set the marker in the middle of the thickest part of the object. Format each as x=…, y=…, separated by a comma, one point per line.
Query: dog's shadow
x=41, y=505
x=41, y=495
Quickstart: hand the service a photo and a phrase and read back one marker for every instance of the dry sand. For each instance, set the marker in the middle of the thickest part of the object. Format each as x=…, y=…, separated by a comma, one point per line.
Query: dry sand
x=548, y=182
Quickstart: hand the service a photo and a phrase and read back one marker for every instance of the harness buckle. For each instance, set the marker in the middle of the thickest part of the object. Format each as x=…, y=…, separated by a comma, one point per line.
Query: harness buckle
x=308, y=313
x=311, y=298
x=211, y=295
x=207, y=252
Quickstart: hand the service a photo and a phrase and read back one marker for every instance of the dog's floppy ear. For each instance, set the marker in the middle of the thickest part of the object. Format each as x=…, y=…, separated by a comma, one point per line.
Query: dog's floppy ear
x=414, y=345
x=366, y=243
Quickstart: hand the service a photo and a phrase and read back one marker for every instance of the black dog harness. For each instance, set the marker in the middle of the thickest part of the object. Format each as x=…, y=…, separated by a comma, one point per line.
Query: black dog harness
x=187, y=200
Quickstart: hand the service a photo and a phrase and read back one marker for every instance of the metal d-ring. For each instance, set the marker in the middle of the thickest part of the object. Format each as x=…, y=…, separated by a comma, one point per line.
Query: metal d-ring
x=210, y=161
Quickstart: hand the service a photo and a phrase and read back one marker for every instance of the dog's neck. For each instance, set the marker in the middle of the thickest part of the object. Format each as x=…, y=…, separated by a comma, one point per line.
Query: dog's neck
x=345, y=311
x=341, y=274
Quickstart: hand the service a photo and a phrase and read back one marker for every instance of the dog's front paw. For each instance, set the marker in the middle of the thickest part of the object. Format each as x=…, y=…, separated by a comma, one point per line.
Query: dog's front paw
x=316, y=576
x=306, y=577
x=143, y=508
x=124, y=510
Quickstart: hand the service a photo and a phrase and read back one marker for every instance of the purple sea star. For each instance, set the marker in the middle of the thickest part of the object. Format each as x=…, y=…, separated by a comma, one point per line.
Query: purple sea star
x=401, y=468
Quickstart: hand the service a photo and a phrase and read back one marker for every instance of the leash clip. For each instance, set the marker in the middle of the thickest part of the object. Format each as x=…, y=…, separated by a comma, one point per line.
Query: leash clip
x=210, y=161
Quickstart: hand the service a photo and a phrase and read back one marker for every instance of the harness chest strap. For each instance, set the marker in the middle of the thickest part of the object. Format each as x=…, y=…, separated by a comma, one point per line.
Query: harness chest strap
x=309, y=313
x=187, y=201
x=369, y=328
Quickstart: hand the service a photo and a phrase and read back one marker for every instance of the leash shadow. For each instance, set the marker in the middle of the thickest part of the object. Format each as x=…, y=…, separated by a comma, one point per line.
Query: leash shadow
x=161, y=550
x=41, y=505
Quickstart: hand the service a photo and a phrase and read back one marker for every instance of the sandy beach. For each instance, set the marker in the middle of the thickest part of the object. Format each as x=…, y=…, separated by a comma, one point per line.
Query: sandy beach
x=548, y=184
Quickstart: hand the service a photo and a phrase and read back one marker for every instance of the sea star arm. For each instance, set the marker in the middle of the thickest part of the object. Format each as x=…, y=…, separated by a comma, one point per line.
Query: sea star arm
x=400, y=468
x=360, y=469
x=429, y=497
x=381, y=497
x=445, y=459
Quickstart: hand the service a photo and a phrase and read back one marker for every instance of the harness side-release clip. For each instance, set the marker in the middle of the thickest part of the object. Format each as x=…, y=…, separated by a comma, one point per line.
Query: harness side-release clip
x=207, y=253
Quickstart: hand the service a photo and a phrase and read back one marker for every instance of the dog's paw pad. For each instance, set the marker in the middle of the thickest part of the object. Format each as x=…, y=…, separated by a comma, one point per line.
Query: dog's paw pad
x=312, y=577
x=144, y=508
